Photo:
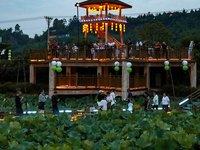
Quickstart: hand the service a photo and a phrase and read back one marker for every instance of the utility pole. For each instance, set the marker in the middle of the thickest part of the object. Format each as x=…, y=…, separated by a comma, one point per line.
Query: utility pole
x=77, y=4
x=48, y=19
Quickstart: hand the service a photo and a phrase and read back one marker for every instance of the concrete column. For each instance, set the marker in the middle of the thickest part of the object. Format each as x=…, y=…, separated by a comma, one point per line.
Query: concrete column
x=193, y=75
x=51, y=80
x=147, y=73
x=32, y=78
x=99, y=70
x=125, y=80
x=69, y=72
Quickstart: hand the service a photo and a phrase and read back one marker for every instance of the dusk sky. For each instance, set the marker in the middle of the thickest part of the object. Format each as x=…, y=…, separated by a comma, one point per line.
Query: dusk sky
x=20, y=9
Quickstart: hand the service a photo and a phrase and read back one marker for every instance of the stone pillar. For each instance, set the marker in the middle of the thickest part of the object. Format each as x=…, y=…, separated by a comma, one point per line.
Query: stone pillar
x=147, y=74
x=51, y=80
x=125, y=80
x=68, y=73
x=99, y=70
x=193, y=75
x=32, y=78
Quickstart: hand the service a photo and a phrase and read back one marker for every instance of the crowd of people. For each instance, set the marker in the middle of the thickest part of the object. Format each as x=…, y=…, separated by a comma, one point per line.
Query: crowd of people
x=149, y=51
x=105, y=101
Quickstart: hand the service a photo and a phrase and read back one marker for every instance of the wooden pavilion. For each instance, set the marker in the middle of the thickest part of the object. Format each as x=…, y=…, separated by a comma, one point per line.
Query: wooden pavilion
x=99, y=17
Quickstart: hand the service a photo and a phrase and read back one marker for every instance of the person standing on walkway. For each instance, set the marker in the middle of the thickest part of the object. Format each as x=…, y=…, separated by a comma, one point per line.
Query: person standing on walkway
x=113, y=103
x=55, y=101
x=41, y=101
x=103, y=103
x=157, y=50
x=18, y=101
x=165, y=102
x=155, y=101
x=147, y=100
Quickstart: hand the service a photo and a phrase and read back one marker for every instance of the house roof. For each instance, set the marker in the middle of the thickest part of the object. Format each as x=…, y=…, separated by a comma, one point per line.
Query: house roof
x=100, y=2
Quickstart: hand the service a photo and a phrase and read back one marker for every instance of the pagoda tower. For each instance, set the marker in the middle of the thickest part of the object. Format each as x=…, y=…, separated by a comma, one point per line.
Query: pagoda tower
x=100, y=16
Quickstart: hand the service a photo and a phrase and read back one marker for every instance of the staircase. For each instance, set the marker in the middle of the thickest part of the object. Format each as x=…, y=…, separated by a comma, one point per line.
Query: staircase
x=190, y=102
x=101, y=34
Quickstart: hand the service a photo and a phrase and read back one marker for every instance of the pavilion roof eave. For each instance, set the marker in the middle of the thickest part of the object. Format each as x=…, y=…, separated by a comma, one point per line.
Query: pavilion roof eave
x=100, y=2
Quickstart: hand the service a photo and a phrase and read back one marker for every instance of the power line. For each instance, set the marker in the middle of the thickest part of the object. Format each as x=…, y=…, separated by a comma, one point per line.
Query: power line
x=129, y=14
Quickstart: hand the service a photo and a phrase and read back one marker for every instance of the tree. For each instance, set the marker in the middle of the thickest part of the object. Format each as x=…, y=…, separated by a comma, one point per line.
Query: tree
x=17, y=28
x=154, y=31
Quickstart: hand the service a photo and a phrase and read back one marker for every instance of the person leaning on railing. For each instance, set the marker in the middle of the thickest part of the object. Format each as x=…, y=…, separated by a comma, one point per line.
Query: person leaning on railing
x=54, y=48
x=157, y=50
x=74, y=50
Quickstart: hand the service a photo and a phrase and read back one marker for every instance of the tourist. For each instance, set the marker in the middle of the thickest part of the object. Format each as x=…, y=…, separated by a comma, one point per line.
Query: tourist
x=74, y=49
x=64, y=48
x=130, y=45
x=41, y=101
x=165, y=102
x=18, y=103
x=91, y=48
x=99, y=96
x=68, y=50
x=58, y=51
x=150, y=51
x=109, y=100
x=130, y=106
x=54, y=48
x=99, y=104
x=165, y=51
x=138, y=46
x=103, y=103
x=130, y=95
x=155, y=101
x=55, y=100
x=147, y=100
x=111, y=44
x=157, y=50
x=113, y=103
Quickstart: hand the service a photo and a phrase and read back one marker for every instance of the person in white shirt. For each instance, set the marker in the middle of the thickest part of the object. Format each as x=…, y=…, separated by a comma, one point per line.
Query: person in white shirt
x=138, y=45
x=113, y=103
x=155, y=101
x=75, y=49
x=103, y=104
x=165, y=102
x=130, y=106
x=109, y=100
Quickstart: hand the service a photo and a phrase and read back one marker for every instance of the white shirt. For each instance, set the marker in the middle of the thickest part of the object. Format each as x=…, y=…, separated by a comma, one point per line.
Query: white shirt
x=111, y=43
x=130, y=107
x=109, y=99
x=96, y=45
x=99, y=103
x=139, y=43
x=104, y=104
x=74, y=48
x=112, y=95
x=155, y=98
x=165, y=100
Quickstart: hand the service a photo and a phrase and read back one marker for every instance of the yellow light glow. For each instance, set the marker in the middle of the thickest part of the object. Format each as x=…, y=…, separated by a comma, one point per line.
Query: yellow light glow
x=124, y=28
x=118, y=10
x=116, y=26
x=92, y=10
x=111, y=8
x=115, y=9
x=95, y=32
x=108, y=7
x=120, y=27
x=104, y=7
x=112, y=26
x=89, y=9
x=96, y=26
x=102, y=26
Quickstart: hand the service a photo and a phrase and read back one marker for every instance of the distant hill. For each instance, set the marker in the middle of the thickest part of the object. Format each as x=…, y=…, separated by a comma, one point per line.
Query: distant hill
x=181, y=24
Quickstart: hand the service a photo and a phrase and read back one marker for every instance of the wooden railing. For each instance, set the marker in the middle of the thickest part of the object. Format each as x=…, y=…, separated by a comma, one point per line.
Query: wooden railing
x=97, y=81
x=106, y=52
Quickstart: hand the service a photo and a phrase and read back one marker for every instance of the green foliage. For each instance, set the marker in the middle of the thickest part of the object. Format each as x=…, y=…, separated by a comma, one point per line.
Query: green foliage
x=156, y=130
x=154, y=31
